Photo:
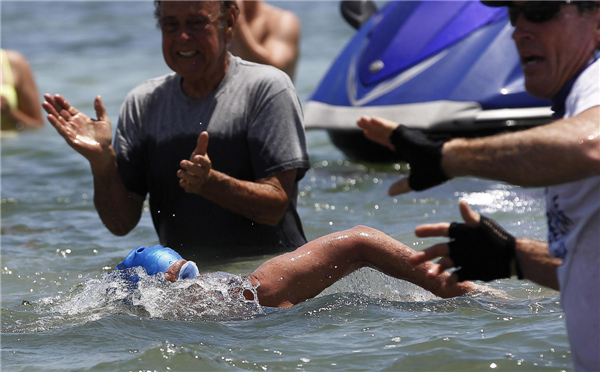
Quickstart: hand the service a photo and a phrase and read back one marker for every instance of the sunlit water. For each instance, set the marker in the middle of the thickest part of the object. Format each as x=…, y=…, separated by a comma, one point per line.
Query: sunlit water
x=63, y=310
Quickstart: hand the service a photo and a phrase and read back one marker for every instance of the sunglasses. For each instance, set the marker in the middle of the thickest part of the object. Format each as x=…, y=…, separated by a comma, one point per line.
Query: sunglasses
x=543, y=11
x=535, y=11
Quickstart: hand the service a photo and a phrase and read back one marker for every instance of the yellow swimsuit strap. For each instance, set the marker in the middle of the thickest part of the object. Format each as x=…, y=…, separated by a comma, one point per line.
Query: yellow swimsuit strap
x=8, y=87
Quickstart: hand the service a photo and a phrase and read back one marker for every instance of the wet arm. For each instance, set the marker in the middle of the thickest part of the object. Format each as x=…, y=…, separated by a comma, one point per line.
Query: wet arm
x=297, y=276
x=564, y=151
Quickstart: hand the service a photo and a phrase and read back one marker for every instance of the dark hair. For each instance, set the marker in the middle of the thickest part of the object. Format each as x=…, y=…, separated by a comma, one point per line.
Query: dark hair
x=586, y=6
x=224, y=5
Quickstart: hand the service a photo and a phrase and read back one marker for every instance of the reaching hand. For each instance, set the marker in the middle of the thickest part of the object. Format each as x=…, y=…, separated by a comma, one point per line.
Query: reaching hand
x=197, y=170
x=480, y=247
x=419, y=149
x=378, y=130
x=91, y=138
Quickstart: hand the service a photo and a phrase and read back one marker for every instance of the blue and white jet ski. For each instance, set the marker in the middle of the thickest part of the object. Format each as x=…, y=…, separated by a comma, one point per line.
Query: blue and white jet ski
x=446, y=67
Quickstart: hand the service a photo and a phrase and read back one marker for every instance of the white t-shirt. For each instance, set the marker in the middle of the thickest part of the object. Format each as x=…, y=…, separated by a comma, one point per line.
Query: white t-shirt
x=573, y=211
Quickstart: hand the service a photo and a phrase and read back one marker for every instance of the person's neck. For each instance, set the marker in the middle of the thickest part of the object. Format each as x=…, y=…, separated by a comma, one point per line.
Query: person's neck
x=203, y=87
x=558, y=99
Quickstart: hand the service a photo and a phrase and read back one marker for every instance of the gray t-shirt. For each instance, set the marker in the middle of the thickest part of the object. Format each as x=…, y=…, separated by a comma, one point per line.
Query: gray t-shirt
x=254, y=120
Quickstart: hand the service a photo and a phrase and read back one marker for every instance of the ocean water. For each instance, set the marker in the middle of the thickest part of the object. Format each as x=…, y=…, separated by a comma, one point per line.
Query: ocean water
x=61, y=311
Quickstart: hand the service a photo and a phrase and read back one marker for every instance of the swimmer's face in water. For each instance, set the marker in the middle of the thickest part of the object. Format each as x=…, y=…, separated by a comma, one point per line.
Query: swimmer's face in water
x=172, y=272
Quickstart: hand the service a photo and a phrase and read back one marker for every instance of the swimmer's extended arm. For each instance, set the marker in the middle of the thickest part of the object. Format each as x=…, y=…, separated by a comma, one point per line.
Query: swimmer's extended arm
x=119, y=209
x=264, y=201
x=297, y=276
x=563, y=151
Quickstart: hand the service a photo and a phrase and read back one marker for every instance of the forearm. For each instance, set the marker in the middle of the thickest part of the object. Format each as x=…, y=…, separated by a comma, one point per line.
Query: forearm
x=560, y=152
x=260, y=202
x=536, y=263
x=119, y=209
x=392, y=258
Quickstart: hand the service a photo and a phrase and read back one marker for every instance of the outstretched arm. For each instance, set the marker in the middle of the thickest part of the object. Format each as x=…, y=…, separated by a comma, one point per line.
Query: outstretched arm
x=294, y=277
x=563, y=151
x=119, y=209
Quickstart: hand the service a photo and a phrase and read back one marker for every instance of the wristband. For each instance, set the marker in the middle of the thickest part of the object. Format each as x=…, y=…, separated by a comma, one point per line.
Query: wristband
x=424, y=154
x=484, y=252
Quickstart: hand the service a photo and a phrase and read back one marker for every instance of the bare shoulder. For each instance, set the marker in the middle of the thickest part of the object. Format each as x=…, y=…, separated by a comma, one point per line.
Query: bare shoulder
x=19, y=66
x=16, y=59
x=283, y=23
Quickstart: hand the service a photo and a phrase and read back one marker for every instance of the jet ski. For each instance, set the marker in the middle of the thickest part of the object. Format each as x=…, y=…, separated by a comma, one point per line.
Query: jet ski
x=449, y=68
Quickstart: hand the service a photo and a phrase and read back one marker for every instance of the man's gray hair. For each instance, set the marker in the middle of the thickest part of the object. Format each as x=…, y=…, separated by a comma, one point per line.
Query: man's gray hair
x=224, y=5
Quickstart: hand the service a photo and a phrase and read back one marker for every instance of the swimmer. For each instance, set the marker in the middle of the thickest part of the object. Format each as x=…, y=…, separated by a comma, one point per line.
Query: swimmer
x=294, y=277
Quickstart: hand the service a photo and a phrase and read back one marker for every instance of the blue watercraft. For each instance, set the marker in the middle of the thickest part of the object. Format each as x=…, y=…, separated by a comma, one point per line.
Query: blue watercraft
x=449, y=68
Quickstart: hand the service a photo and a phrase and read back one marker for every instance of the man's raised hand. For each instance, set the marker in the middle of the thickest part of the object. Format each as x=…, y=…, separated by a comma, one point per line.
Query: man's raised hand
x=197, y=170
x=91, y=138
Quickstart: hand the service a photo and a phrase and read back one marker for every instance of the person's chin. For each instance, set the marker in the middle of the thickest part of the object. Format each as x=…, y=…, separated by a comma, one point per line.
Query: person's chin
x=187, y=66
x=539, y=87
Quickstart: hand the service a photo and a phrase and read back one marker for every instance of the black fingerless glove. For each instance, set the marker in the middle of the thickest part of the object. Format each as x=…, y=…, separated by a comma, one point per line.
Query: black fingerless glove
x=484, y=252
x=424, y=154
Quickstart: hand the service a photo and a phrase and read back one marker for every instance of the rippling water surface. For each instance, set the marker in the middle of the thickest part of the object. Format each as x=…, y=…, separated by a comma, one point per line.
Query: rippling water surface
x=62, y=310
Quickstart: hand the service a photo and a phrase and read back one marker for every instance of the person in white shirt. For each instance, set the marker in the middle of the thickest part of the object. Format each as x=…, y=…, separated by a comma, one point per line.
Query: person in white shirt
x=559, y=43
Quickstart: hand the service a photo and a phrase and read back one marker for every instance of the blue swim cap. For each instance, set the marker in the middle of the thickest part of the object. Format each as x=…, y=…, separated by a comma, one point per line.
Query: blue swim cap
x=153, y=259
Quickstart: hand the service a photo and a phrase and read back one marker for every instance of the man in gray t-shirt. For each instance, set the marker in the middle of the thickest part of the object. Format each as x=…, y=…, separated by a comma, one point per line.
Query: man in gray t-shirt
x=218, y=145
x=254, y=122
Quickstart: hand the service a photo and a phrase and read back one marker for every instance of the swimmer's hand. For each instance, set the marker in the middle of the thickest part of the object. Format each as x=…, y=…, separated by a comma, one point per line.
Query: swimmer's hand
x=422, y=151
x=91, y=138
x=480, y=247
x=197, y=170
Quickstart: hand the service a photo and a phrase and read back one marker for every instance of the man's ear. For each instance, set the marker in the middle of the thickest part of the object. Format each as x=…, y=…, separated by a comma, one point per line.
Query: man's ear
x=230, y=23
